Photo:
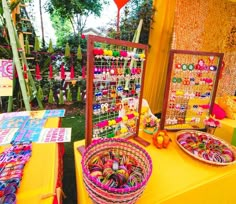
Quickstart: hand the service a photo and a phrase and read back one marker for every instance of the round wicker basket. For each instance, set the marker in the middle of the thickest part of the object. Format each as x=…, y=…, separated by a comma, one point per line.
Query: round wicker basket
x=104, y=194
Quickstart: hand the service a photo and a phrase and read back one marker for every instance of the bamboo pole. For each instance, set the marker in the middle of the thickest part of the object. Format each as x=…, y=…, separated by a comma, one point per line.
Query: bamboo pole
x=136, y=39
x=31, y=80
x=16, y=59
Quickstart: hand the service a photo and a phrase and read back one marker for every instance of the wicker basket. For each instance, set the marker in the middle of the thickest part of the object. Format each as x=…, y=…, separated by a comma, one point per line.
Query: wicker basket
x=103, y=194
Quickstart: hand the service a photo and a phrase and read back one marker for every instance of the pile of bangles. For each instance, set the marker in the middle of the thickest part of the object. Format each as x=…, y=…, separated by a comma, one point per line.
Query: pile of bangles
x=12, y=162
x=116, y=170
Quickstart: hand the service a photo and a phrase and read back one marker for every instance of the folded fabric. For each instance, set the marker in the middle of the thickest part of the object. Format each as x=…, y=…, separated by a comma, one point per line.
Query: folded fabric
x=218, y=112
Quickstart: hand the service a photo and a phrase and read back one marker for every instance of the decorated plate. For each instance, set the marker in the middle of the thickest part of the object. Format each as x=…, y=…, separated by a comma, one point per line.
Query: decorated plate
x=206, y=147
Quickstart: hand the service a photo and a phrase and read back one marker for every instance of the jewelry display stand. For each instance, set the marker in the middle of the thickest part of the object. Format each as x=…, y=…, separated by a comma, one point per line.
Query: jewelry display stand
x=192, y=80
x=114, y=81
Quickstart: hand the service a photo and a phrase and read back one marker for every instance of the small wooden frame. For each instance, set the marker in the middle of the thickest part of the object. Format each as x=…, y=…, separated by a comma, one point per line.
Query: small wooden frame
x=185, y=68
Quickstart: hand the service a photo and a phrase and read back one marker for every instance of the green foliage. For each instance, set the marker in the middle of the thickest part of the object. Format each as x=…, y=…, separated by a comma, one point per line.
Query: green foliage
x=134, y=11
x=5, y=53
x=64, y=12
x=62, y=28
x=68, y=9
x=50, y=97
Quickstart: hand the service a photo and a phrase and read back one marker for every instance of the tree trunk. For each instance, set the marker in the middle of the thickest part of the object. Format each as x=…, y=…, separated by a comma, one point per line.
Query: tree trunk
x=41, y=21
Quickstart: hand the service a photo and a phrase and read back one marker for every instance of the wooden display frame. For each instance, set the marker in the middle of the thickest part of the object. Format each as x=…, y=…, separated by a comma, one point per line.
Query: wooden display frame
x=90, y=82
x=182, y=76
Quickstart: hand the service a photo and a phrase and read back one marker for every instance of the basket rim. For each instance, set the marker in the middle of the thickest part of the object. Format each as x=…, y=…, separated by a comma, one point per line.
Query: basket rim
x=105, y=187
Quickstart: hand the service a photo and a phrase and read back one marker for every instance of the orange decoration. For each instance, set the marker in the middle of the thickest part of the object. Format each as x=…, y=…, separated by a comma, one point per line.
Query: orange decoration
x=119, y=4
x=161, y=139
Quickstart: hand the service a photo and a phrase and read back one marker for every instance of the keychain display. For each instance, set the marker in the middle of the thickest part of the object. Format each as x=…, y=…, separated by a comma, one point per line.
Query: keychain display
x=114, y=81
x=115, y=74
x=191, y=85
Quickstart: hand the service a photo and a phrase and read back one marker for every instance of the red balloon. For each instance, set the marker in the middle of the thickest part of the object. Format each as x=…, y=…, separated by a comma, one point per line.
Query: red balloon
x=120, y=3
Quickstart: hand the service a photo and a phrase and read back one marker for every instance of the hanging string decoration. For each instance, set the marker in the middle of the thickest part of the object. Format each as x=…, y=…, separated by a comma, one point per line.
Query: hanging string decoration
x=69, y=96
x=25, y=72
x=67, y=50
x=50, y=48
x=27, y=47
x=79, y=94
x=40, y=93
x=38, y=76
x=79, y=53
x=63, y=76
x=61, y=97
x=50, y=97
x=50, y=76
x=36, y=44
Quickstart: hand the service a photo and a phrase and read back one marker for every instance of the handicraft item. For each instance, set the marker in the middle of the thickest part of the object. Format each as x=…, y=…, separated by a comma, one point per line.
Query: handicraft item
x=115, y=170
x=190, y=91
x=12, y=162
x=114, y=88
x=161, y=139
x=206, y=147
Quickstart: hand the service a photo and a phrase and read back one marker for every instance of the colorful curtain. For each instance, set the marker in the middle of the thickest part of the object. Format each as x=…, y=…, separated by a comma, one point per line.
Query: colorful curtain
x=160, y=41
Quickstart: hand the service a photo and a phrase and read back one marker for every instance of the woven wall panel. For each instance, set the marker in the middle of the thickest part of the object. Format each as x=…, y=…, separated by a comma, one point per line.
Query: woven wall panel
x=209, y=25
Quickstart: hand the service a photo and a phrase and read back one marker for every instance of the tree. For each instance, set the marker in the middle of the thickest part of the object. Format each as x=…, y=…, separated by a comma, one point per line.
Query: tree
x=62, y=28
x=133, y=12
x=76, y=12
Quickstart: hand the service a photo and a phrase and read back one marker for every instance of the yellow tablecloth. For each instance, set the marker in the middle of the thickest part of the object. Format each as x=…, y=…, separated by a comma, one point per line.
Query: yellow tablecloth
x=38, y=185
x=227, y=131
x=177, y=178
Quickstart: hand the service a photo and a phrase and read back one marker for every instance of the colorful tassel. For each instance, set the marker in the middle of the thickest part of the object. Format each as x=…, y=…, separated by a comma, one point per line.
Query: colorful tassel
x=50, y=48
x=67, y=50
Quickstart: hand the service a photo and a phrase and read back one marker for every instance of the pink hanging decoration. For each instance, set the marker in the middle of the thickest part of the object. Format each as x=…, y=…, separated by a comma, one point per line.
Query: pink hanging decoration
x=37, y=73
x=72, y=72
x=50, y=76
x=63, y=76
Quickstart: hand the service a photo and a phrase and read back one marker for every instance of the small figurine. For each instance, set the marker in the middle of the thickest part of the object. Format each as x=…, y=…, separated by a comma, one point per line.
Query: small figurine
x=161, y=139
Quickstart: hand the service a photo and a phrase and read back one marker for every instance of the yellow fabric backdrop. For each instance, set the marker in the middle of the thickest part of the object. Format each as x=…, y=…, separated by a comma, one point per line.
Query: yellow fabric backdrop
x=160, y=40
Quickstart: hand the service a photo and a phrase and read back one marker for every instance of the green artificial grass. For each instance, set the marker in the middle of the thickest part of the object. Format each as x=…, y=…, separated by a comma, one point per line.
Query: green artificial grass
x=77, y=123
